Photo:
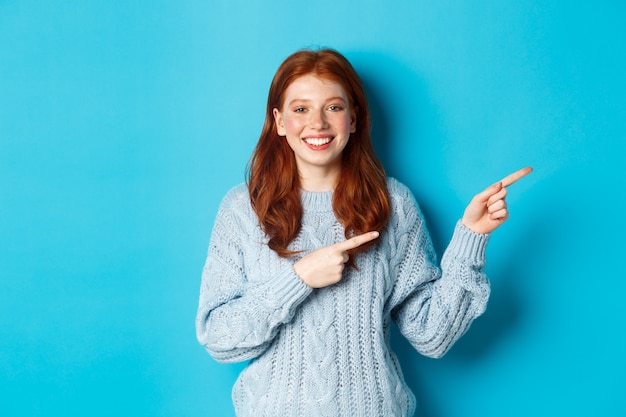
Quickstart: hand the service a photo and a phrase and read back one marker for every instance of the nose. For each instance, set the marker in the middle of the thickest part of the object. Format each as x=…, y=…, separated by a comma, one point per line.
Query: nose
x=318, y=119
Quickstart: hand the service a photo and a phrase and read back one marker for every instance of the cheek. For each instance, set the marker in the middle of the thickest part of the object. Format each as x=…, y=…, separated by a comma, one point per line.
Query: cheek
x=292, y=125
x=344, y=123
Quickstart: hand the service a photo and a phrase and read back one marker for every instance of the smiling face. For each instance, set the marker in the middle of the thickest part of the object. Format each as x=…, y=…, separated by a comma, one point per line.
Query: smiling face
x=316, y=119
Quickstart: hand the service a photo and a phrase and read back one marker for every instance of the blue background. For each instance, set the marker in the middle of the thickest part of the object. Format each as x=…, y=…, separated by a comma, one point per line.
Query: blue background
x=122, y=125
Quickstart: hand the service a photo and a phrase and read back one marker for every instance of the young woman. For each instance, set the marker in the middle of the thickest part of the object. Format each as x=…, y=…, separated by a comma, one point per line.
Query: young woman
x=312, y=258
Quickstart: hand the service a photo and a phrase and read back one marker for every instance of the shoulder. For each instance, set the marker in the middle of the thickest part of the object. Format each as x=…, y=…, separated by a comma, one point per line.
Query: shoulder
x=396, y=187
x=399, y=194
x=236, y=197
x=405, y=209
x=235, y=215
x=236, y=204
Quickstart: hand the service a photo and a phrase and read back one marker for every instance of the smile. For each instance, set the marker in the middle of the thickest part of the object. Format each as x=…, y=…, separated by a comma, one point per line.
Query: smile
x=318, y=141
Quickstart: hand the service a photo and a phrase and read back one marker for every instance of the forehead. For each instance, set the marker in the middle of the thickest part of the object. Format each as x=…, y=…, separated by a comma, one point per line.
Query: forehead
x=312, y=86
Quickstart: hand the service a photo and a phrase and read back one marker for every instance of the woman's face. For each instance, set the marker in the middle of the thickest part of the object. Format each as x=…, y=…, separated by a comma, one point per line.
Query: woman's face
x=316, y=119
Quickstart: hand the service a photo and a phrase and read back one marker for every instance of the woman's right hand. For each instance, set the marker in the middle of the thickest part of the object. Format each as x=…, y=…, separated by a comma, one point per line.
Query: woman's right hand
x=324, y=266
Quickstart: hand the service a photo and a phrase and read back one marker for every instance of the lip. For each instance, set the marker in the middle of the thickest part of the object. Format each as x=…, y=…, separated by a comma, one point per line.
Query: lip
x=319, y=146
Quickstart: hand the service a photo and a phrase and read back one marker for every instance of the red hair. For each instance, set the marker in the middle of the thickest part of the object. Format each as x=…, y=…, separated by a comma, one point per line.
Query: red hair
x=360, y=198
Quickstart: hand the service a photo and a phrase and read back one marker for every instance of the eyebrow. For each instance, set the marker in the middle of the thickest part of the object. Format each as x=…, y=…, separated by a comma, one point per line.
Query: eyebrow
x=305, y=100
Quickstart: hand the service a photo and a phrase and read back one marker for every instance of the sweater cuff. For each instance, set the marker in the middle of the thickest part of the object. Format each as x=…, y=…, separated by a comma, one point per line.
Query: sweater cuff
x=467, y=244
x=285, y=290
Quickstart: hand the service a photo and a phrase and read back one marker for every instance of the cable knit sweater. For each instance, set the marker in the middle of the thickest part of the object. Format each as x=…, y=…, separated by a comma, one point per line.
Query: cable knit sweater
x=326, y=352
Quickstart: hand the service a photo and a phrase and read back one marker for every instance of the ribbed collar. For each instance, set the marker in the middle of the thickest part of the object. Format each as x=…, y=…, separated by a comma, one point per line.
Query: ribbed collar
x=319, y=202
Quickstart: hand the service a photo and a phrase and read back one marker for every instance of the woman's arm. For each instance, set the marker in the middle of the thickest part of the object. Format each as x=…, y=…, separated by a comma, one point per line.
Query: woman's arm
x=434, y=306
x=238, y=318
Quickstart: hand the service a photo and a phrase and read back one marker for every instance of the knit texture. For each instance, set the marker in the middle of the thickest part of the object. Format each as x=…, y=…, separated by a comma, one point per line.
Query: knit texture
x=326, y=352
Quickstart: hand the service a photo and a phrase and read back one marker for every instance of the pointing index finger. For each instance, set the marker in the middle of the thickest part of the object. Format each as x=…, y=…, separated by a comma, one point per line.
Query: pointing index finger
x=512, y=178
x=359, y=240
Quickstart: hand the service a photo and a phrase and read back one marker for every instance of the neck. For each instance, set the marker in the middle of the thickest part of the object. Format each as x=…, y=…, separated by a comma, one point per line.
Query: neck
x=319, y=181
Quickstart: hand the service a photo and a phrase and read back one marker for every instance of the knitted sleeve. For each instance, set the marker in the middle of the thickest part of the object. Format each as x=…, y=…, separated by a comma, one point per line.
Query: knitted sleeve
x=433, y=306
x=239, y=316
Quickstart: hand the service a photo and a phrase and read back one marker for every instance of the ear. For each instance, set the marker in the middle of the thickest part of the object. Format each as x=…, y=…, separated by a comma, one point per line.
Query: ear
x=280, y=123
x=353, y=112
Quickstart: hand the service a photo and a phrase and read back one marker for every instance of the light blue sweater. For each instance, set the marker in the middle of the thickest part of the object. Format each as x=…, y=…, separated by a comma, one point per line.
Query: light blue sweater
x=326, y=352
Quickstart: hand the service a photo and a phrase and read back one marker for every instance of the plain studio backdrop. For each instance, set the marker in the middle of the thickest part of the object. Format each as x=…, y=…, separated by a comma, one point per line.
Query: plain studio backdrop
x=122, y=125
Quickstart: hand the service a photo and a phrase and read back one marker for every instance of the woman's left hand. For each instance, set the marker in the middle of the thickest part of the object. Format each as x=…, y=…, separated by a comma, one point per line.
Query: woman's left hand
x=488, y=209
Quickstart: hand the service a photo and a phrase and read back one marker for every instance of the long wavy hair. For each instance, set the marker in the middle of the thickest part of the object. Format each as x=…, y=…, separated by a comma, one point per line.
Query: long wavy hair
x=360, y=197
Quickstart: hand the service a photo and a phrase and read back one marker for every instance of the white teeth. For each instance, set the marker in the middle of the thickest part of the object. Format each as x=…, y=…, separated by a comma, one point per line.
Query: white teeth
x=317, y=141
